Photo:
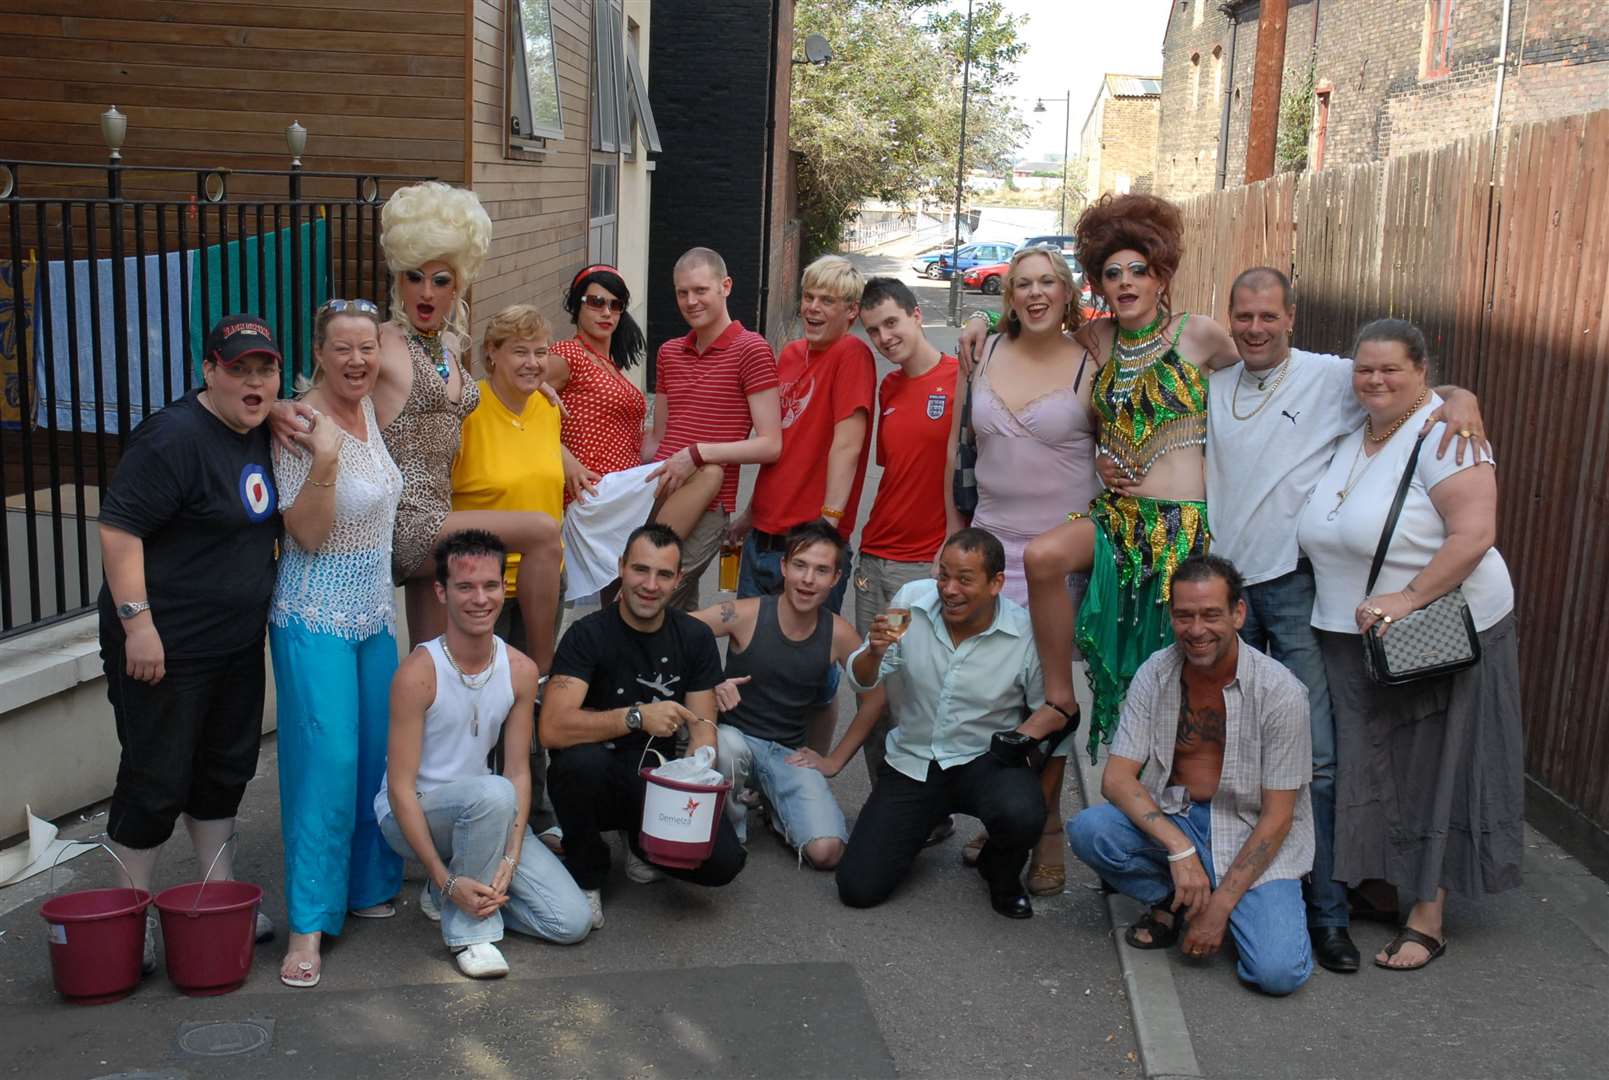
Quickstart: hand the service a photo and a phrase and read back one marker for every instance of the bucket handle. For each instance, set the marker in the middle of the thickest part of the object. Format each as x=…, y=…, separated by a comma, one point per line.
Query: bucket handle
x=51, y=881
x=646, y=750
x=208, y=876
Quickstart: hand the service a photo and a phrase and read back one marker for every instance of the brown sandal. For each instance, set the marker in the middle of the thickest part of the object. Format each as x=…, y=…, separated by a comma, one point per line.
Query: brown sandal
x=1409, y=936
x=1047, y=873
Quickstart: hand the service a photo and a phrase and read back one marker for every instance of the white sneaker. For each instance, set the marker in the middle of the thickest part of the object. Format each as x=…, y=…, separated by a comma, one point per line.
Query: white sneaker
x=148, y=959
x=483, y=961
x=640, y=870
x=264, y=929
x=429, y=904
x=595, y=905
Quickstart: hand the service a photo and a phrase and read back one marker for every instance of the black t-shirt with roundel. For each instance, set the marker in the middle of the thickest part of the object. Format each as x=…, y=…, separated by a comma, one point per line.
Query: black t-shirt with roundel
x=201, y=496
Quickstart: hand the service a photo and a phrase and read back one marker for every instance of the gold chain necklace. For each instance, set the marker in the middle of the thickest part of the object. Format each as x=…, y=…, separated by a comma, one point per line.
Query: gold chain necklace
x=1234, y=397
x=473, y=682
x=1368, y=425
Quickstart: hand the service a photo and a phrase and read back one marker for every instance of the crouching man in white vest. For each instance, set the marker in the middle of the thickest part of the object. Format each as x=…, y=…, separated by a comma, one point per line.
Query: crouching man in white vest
x=441, y=803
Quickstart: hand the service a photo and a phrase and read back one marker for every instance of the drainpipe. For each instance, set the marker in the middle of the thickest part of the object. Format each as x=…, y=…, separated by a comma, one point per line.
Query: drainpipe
x=1229, y=97
x=770, y=163
x=1502, y=69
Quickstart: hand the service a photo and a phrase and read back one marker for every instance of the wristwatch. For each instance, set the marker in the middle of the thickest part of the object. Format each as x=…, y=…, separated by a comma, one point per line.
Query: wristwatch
x=132, y=608
x=634, y=719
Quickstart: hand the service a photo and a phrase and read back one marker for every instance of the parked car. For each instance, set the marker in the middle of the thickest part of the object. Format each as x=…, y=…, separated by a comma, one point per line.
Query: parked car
x=987, y=279
x=1064, y=242
x=936, y=265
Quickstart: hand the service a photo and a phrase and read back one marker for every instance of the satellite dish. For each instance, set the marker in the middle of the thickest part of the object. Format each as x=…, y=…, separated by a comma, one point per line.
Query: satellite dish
x=817, y=51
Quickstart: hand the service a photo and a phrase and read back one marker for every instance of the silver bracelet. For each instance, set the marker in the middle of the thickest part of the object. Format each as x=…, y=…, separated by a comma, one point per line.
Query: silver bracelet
x=1180, y=856
x=452, y=879
x=513, y=863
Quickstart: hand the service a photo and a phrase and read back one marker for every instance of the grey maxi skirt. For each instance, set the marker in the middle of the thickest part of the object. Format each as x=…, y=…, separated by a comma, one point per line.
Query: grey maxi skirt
x=1430, y=780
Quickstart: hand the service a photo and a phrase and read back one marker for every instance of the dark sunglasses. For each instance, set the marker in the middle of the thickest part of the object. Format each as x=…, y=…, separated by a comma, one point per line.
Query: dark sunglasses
x=598, y=303
x=366, y=307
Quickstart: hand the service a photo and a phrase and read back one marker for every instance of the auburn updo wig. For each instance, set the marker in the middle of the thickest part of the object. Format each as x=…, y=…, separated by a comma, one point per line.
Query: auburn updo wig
x=1135, y=222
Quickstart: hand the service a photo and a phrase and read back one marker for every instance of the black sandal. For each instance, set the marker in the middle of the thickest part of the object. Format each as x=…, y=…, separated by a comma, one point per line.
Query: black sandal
x=1409, y=936
x=1163, y=936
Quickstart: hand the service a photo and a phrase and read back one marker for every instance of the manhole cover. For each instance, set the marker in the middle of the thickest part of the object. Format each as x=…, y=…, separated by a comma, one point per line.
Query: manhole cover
x=224, y=1038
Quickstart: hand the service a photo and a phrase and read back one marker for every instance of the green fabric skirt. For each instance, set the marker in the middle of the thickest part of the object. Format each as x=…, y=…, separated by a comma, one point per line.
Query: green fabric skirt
x=1139, y=542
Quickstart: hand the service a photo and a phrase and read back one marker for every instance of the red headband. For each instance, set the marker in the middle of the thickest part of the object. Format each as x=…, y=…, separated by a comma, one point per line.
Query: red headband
x=596, y=266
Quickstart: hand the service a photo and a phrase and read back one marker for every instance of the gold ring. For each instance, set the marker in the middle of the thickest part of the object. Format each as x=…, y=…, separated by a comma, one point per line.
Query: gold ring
x=1463, y=433
x=1386, y=619
x=1376, y=612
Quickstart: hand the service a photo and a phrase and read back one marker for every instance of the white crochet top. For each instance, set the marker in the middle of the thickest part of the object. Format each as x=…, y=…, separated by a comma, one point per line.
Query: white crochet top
x=344, y=588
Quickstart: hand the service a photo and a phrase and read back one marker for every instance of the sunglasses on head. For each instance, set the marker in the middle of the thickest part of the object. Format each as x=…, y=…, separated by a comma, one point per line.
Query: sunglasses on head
x=598, y=303
x=366, y=307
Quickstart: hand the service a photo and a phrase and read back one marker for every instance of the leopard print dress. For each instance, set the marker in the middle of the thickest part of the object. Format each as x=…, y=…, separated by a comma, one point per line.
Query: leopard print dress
x=423, y=440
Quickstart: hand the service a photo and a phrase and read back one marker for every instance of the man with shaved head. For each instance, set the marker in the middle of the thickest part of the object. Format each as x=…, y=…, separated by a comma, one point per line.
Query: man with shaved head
x=715, y=400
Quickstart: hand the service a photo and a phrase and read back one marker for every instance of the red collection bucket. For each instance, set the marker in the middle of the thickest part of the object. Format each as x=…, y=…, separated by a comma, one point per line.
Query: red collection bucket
x=679, y=820
x=97, y=938
x=208, y=931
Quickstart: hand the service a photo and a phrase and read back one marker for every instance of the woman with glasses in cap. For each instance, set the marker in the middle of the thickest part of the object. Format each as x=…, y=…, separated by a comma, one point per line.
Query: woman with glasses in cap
x=333, y=635
x=603, y=431
x=188, y=527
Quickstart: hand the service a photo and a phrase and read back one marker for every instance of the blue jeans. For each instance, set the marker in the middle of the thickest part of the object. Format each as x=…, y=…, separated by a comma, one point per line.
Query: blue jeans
x=760, y=574
x=1270, y=934
x=469, y=821
x=800, y=796
x=334, y=719
x=1278, y=621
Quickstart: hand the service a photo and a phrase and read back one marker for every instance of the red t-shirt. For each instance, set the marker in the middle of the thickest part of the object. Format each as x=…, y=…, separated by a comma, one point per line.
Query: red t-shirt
x=913, y=432
x=604, y=428
x=707, y=394
x=818, y=390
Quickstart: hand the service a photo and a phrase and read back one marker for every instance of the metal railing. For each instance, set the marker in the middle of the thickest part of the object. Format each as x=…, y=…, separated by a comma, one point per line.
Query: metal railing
x=105, y=300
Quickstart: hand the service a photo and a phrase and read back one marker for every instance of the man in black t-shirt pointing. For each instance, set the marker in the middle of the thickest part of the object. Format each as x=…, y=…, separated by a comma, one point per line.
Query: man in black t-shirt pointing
x=624, y=678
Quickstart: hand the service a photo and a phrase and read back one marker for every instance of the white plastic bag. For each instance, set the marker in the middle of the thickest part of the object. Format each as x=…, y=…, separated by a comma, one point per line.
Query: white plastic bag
x=699, y=768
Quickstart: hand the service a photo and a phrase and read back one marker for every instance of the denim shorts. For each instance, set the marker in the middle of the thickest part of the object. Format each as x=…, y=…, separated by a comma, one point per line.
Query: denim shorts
x=800, y=796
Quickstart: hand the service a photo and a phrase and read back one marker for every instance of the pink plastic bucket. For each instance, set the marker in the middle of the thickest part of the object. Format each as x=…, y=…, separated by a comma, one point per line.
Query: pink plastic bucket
x=679, y=820
x=208, y=930
x=97, y=938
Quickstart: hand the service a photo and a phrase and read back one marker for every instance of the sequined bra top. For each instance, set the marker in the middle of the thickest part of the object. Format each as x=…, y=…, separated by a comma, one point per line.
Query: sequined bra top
x=1150, y=400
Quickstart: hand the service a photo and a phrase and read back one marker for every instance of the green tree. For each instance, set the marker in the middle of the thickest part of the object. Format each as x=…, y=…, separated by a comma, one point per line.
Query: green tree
x=882, y=120
x=1295, y=123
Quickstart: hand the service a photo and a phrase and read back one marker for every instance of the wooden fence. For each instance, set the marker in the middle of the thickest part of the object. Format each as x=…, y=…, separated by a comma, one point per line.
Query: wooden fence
x=1505, y=265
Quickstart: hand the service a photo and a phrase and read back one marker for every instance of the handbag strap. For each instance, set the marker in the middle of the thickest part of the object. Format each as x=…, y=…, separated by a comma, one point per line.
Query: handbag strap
x=966, y=401
x=1391, y=518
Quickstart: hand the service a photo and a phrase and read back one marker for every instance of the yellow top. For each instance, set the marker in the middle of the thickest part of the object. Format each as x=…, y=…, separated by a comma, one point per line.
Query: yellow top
x=508, y=462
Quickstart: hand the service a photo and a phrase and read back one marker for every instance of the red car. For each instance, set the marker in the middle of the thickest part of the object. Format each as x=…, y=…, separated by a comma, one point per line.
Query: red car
x=987, y=279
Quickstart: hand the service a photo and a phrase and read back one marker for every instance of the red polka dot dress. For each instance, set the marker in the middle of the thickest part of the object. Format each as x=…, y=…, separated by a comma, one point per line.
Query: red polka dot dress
x=604, y=426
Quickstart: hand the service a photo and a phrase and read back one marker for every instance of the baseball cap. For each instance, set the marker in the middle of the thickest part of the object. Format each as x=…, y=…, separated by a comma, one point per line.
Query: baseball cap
x=237, y=336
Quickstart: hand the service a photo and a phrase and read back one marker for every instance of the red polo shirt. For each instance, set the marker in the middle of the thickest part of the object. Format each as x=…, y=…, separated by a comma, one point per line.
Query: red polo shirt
x=913, y=433
x=818, y=390
x=707, y=394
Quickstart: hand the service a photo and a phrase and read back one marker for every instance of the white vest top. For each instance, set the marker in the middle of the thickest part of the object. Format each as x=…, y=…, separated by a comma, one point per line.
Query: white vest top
x=461, y=726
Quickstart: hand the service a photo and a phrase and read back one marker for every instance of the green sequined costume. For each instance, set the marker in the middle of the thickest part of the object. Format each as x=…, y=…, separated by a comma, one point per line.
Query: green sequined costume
x=1147, y=409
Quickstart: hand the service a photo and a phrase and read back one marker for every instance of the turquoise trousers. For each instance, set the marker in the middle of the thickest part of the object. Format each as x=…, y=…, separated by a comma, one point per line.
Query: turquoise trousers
x=334, y=700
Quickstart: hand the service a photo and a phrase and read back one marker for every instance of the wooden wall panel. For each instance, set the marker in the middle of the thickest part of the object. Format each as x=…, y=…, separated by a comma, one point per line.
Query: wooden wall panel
x=215, y=84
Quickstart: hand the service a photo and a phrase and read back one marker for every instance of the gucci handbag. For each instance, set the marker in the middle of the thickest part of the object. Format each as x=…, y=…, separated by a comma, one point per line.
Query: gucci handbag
x=1438, y=639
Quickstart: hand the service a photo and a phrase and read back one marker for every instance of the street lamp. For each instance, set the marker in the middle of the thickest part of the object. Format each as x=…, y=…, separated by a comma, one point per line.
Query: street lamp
x=960, y=176
x=1066, y=131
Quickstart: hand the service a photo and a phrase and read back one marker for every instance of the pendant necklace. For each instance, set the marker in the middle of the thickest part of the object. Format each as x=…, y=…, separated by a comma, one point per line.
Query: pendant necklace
x=436, y=351
x=1234, y=397
x=473, y=682
x=1340, y=496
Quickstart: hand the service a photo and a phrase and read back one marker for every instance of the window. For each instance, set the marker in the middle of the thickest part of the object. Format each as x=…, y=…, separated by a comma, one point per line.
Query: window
x=1438, y=38
x=1195, y=16
x=1217, y=72
x=603, y=205
x=1195, y=81
x=609, y=128
x=533, y=83
x=642, y=114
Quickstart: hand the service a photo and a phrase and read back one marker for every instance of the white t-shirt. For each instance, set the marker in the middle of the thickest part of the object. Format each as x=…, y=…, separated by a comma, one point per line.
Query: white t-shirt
x=1260, y=470
x=1343, y=549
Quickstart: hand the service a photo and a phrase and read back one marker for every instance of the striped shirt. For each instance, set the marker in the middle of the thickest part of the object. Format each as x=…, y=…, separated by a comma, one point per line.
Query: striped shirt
x=1268, y=746
x=707, y=394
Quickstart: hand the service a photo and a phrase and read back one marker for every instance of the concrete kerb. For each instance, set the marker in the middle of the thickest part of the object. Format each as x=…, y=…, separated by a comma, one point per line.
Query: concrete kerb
x=1166, y=1052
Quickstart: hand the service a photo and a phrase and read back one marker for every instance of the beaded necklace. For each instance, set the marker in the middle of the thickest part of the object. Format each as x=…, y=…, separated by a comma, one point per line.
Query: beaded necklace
x=1134, y=351
x=436, y=351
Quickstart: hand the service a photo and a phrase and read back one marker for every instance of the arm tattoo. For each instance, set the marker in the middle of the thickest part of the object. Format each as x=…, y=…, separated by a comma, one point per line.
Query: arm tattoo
x=1154, y=815
x=1251, y=863
x=560, y=682
x=728, y=611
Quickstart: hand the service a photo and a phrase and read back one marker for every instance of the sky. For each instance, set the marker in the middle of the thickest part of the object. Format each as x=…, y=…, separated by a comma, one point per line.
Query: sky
x=1071, y=45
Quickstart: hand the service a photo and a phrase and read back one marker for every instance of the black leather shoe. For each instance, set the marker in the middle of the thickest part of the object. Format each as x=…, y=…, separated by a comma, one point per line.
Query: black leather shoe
x=1013, y=906
x=1333, y=949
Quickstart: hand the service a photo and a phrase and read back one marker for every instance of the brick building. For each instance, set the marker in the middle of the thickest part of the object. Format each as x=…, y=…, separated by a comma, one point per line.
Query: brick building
x=1390, y=77
x=726, y=177
x=1118, y=139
